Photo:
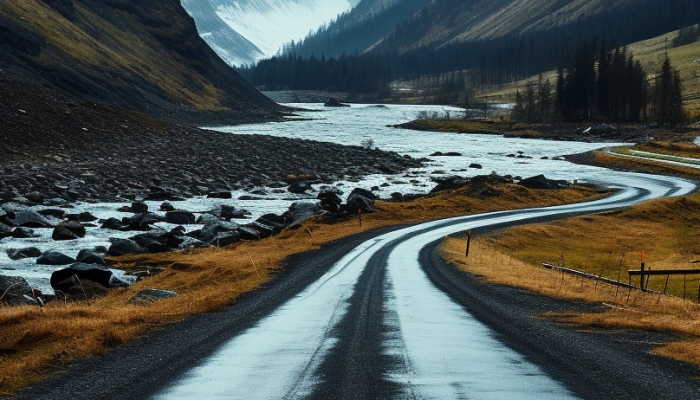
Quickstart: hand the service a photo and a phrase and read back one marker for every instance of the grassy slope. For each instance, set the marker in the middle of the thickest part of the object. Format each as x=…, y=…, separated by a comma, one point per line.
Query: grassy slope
x=607, y=244
x=650, y=53
x=146, y=52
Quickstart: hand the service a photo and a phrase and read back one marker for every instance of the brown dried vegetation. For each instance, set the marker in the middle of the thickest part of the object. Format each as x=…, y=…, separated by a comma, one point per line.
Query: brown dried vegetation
x=607, y=244
x=36, y=342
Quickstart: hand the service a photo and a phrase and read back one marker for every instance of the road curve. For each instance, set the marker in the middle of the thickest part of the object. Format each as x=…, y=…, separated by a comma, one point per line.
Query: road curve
x=388, y=319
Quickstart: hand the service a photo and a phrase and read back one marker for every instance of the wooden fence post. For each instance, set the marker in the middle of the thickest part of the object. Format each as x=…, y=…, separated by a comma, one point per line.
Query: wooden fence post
x=641, y=276
x=469, y=239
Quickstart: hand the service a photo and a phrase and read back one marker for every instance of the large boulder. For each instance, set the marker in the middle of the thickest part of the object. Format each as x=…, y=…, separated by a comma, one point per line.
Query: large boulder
x=150, y=296
x=32, y=219
x=299, y=212
x=142, y=222
x=68, y=230
x=180, y=217
x=330, y=199
x=54, y=258
x=27, y=252
x=223, y=239
x=333, y=102
x=15, y=291
x=91, y=272
x=360, y=200
x=541, y=182
x=74, y=289
x=299, y=187
x=86, y=256
x=219, y=194
x=448, y=183
x=121, y=247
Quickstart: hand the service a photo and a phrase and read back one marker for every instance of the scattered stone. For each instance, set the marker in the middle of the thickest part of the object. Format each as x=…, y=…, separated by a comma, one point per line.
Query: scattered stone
x=541, y=182
x=54, y=258
x=86, y=256
x=69, y=230
x=121, y=247
x=180, y=217
x=15, y=291
x=476, y=166
x=85, y=272
x=219, y=194
x=333, y=102
x=27, y=252
x=299, y=188
x=32, y=219
x=167, y=207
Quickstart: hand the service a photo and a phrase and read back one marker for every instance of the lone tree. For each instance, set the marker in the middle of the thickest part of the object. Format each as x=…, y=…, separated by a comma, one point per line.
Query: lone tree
x=667, y=100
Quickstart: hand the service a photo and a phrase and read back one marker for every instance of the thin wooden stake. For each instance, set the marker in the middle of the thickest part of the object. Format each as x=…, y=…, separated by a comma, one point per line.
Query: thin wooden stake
x=359, y=215
x=666, y=285
x=469, y=240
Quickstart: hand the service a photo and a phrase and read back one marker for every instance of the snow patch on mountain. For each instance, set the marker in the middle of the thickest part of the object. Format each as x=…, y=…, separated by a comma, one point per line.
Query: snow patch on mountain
x=270, y=24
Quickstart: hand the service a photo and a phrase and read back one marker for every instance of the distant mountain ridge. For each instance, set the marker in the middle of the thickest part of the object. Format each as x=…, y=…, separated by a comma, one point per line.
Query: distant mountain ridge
x=144, y=54
x=245, y=31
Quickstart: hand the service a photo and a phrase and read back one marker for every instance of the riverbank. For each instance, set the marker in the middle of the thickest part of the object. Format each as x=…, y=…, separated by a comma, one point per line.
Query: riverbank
x=36, y=342
x=598, y=133
x=665, y=229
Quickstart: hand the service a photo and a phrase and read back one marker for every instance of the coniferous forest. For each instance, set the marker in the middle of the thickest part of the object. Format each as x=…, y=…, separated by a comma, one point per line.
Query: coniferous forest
x=612, y=92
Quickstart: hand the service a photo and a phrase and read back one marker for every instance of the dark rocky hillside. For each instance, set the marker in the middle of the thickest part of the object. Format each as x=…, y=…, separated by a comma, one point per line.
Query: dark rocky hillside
x=143, y=54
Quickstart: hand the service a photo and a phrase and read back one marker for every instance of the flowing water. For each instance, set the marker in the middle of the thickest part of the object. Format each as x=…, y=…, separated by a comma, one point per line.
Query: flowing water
x=354, y=126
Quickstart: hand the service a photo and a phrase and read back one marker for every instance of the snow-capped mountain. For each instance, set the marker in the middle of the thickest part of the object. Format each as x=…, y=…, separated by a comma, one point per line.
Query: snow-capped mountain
x=244, y=31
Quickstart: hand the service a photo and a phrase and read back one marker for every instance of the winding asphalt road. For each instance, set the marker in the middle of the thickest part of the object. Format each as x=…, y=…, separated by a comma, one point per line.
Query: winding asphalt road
x=379, y=316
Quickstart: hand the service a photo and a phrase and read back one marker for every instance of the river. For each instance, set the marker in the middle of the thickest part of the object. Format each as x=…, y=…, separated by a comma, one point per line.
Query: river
x=349, y=126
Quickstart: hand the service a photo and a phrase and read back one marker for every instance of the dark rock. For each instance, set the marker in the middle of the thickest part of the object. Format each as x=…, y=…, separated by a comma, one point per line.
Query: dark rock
x=365, y=193
x=448, y=183
x=207, y=218
x=139, y=207
x=15, y=291
x=54, y=258
x=52, y=212
x=180, y=217
x=223, y=239
x=264, y=229
x=541, y=182
x=23, y=233
x=68, y=230
x=333, y=102
x=397, y=196
x=121, y=247
x=35, y=197
x=27, y=252
x=142, y=222
x=167, y=207
x=300, y=211
x=31, y=219
x=5, y=231
x=84, y=272
x=74, y=289
x=299, y=187
x=150, y=296
x=219, y=194
x=357, y=202
x=86, y=256
x=115, y=224
x=448, y=154
x=476, y=166
x=248, y=233
x=61, y=233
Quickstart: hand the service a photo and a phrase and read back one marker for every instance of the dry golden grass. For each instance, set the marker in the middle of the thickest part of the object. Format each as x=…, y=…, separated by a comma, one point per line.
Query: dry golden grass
x=679, y=149
x=607, y=244
x=644, y=165
x=488, y=126
x=119, y=50
x=207, y=280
